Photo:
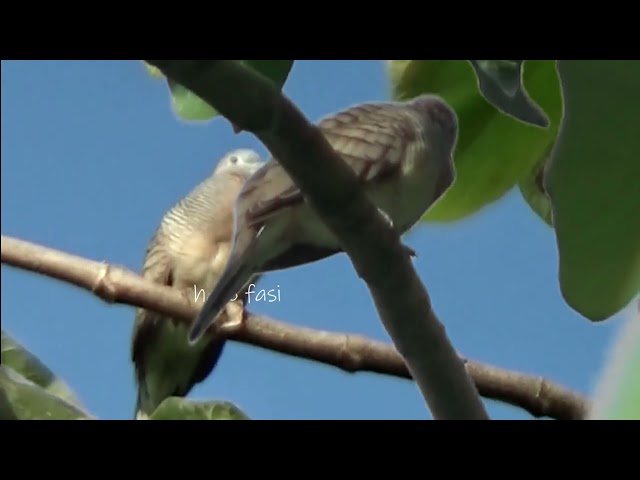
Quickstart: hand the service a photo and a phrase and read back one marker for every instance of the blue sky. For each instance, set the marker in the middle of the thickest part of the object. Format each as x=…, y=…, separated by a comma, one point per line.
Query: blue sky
x=92, y=157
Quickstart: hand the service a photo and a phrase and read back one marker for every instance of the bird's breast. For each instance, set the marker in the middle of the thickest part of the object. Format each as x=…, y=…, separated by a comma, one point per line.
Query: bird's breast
x=199, y=259
x=406, y=196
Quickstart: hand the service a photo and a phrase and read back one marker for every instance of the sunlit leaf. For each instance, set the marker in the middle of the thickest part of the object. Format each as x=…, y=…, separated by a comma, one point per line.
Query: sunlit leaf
x=494, y=151
x=593, y=180
x=188, y=106
x=153, y=71
x=176, y=408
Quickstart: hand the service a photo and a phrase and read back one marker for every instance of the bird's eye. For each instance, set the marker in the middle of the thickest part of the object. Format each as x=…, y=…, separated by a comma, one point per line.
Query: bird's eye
x=233, y=159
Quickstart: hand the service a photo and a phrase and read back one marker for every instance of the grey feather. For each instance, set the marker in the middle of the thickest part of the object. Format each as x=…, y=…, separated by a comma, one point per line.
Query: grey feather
x=402, y=153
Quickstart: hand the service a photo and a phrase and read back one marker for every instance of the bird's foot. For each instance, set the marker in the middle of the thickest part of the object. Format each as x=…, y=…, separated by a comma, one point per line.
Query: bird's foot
x=232, y=317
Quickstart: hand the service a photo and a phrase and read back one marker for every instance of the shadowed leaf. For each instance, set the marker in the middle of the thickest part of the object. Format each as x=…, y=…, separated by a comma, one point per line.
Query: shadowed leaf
x=189, y=106
x=175, y=408
x=6, y=409
x=494, y=151
x=24, y=400
x=532, y=190
x=31, y=368
x=593, y=180
x=500, y=82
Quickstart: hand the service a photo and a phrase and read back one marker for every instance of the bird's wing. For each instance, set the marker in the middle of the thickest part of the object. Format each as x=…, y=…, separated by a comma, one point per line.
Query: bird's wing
x=369, y=137
x=157, y=269
x=372, y=138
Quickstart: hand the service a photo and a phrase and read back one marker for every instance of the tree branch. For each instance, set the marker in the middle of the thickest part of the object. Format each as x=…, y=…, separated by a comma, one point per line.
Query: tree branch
x=351, y=353
x=253, y=103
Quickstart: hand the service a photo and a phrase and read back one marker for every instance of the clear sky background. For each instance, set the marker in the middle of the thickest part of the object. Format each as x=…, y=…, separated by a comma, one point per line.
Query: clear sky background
x=93, y=156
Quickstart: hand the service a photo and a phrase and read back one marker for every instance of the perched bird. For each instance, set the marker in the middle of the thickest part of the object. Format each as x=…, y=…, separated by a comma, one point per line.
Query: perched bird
x=400, y=151
x=188, y=251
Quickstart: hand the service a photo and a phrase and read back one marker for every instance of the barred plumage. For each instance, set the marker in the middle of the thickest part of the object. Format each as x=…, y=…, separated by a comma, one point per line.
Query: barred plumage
x=400, y=151
x=189, y=248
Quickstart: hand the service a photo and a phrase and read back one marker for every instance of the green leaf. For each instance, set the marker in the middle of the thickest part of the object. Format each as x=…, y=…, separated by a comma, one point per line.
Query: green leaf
x=494, y=151
x=31, y=368
x=153, y=71
x=593, y=180
x=6, y=409
x=618, y=394
x=500, y=82
x=188, y=106
x=532, y=190
x=21, y=399
x=176, y=408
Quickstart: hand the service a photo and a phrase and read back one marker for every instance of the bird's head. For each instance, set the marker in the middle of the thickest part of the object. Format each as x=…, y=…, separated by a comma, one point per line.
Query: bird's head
x=439, y=117
x=244, y=162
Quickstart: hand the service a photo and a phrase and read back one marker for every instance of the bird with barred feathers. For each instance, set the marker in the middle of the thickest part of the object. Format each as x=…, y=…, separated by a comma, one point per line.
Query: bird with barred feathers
x=188, y=252
x=402, y=154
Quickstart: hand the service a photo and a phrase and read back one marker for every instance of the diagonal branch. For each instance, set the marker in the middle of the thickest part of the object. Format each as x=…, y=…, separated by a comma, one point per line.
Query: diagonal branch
x=253, y=103
x=351, y=353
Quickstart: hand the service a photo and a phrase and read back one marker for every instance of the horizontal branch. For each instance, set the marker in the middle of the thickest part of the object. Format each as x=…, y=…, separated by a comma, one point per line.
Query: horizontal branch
x=351, y=353
x=253, y=103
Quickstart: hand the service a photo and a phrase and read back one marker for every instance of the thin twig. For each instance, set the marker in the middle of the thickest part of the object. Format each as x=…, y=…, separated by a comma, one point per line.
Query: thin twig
x=351, y=353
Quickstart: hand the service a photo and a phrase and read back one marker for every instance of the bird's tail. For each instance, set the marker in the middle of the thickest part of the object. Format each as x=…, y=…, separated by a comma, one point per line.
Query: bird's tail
x=235, y=276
